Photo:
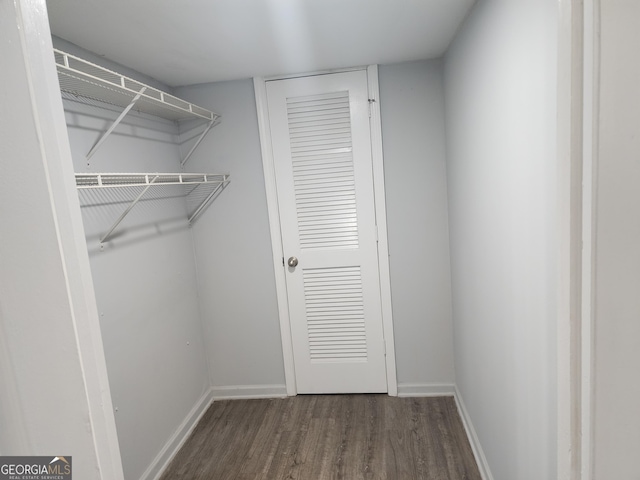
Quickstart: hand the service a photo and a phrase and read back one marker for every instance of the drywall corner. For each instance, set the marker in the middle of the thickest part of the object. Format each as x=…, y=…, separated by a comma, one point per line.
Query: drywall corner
x=478, y=453
x=179, y=437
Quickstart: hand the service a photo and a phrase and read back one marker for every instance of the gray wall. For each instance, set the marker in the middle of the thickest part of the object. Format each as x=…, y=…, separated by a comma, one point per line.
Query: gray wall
x=235, y=269
x=617, y=247
x=145, y=284
x=412, y=112
x=500, y=77
x=233, y=246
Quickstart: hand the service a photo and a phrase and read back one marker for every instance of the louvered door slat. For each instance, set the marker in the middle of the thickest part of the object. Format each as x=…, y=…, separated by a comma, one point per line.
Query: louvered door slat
x=322, y=162
x=326, y=183
x=318, y=130
x=346, y=318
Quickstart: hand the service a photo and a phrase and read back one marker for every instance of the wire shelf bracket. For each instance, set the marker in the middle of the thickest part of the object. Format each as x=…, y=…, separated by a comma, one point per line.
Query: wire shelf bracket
x=126, y=212
x=115, y=123
x=209, y=126
x=216, y=191
x=81, y=79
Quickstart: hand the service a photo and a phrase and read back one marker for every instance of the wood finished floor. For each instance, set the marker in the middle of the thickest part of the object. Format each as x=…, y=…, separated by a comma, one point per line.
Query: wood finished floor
x=318, y=437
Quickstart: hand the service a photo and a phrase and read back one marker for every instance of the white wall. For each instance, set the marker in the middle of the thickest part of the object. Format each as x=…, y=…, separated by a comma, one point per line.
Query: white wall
x=233, y=248
x=617, y=247
x=145, y=284
x=235, y=270
x=500, y=83
x=412, y=113
x=55, y=395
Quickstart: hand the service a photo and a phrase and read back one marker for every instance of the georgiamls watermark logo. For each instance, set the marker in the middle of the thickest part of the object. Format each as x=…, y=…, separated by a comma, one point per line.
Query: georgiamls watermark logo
x=35, y=468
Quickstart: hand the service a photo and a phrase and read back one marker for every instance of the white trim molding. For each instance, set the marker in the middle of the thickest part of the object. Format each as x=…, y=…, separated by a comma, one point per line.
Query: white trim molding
x=381, y=220
x=176, y=441
x=239, y=392
x=478, y=453
x=260, y=89
x=590, y=148
x=426, y=390
x=570, y=129
x=59, y=286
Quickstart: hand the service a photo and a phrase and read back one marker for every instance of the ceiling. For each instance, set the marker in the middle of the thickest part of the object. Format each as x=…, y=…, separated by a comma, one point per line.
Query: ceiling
x=184, y=42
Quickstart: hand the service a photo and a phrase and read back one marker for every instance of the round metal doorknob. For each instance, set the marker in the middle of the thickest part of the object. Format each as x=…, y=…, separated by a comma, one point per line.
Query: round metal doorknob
x=292, y=262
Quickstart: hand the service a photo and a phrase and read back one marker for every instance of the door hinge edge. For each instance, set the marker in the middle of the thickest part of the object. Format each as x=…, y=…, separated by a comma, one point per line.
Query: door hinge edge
x=371, y=100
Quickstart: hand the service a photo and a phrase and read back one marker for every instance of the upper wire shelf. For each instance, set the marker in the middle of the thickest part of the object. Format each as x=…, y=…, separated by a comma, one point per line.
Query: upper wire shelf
x=81, y=78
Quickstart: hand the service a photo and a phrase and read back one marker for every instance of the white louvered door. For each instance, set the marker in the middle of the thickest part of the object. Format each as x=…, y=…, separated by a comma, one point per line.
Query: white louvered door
x=322, y=152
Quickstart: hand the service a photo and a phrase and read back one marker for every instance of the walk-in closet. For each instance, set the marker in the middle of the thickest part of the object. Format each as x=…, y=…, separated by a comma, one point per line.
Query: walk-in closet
x=290, y=213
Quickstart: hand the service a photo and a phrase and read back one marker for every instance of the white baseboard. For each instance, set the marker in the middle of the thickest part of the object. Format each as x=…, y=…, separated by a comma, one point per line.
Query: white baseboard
x=478, y=453
x=426, y=390
x=236, y=392
x=175, y=442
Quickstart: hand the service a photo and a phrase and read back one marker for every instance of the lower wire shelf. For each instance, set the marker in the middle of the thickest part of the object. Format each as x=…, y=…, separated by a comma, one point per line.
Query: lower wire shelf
x=199, y=189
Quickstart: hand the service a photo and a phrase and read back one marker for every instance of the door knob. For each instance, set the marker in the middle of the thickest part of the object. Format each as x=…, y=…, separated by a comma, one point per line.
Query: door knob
x=292, y=262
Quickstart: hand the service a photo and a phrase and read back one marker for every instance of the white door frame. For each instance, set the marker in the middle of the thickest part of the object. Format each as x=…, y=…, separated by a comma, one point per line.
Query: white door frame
x=260, y=88
x=70, y=309
x=576, y=107
x=591, y=89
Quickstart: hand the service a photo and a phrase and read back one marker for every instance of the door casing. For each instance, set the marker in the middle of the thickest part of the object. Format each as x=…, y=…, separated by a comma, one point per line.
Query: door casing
x=380, y=213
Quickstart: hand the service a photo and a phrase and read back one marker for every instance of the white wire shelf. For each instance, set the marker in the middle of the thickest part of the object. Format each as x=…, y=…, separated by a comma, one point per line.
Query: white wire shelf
x=199, y=189
x=81, y=78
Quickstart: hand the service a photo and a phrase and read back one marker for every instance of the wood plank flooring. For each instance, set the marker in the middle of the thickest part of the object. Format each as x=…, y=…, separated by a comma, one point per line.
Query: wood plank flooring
x=333, y=437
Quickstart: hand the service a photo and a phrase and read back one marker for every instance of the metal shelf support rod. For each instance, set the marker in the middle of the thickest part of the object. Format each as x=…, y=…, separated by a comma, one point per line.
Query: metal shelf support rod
x=207, y=200
x=115, y=123
x=211, y=124
x=126, y=212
